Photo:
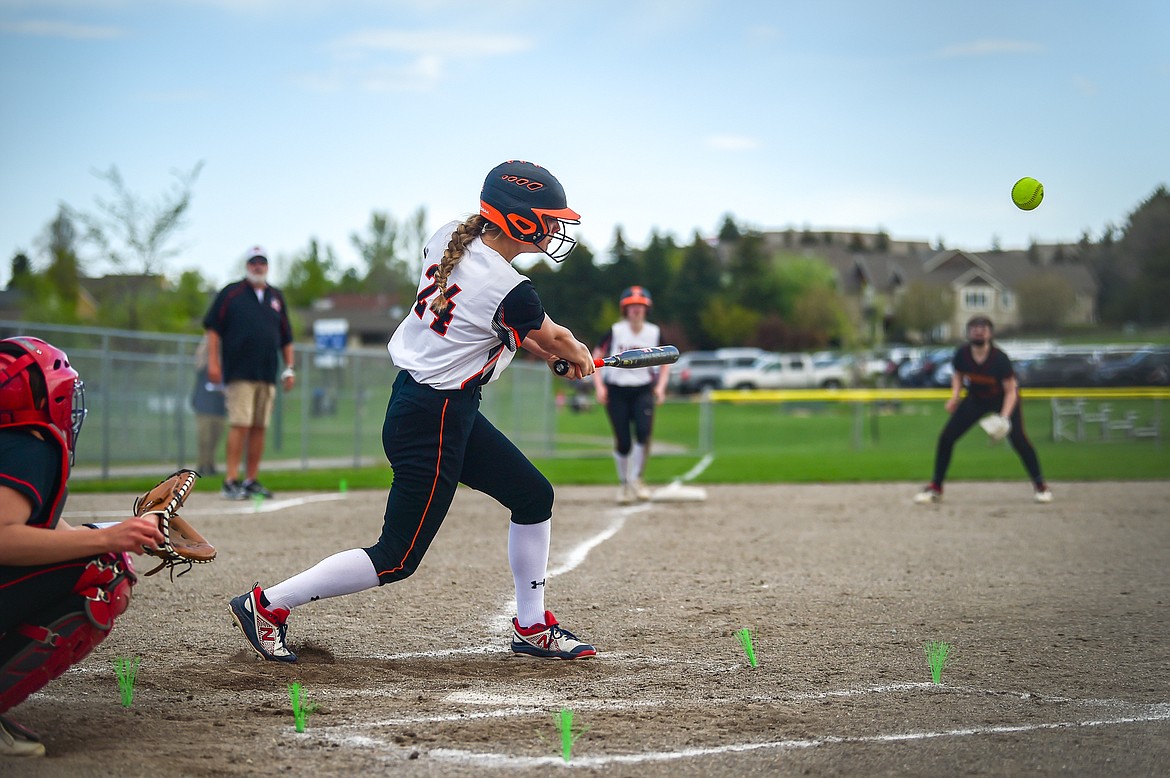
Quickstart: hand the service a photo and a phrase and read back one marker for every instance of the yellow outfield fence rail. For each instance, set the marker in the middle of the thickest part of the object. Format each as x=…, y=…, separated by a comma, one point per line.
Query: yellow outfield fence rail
x=1070, y=420
x=890, y=395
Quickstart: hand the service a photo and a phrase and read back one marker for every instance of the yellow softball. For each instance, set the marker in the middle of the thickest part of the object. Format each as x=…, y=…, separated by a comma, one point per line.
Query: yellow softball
x=1027, y=193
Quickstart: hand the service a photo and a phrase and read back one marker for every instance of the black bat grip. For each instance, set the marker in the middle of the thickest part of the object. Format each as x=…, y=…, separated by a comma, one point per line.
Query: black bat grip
x=561, y=367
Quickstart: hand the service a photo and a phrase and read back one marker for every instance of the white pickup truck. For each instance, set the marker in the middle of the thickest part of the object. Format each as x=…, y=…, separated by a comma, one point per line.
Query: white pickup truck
x=786, y=371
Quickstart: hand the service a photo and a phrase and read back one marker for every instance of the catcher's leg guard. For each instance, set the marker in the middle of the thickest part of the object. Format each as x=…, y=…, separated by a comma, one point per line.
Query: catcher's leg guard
x=35, y=653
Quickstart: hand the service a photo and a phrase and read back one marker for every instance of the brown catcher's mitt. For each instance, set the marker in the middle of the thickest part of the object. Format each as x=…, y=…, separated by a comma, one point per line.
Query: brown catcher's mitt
x=182, y=543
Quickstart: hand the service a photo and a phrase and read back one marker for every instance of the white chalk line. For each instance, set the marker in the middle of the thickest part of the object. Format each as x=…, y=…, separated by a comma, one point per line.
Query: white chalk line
x=1139, y=714
x=232, y=508
x=1157, y=713
x=697, y=470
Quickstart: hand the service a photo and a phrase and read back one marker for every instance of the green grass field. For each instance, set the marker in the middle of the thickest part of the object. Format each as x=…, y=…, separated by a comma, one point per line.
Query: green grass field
x=815, y=442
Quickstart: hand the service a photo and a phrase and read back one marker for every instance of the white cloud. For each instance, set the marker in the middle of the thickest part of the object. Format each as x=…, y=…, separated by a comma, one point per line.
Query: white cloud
x=733, y=143
x=56, y=29
x=431, y=42
x=1085, y=86
x=989, y=47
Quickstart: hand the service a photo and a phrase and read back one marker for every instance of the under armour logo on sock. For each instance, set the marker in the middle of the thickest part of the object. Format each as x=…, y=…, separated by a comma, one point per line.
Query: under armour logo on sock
x=538, y=583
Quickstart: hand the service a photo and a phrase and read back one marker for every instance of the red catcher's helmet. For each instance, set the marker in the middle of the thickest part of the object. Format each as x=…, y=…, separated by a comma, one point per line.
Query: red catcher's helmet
x=39, y=388
x=528, y=204
x=635, y=295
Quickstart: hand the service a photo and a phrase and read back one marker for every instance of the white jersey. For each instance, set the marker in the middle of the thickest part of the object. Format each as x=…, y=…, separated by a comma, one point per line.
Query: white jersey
x=470, y=343
x=622, y=337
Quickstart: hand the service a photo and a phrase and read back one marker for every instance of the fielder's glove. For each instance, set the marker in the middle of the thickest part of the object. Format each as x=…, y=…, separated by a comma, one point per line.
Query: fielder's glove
x=182, y=543
x=996, y=426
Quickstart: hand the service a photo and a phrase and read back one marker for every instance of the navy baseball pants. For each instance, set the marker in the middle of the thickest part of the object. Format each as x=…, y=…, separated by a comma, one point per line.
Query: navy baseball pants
x=966, y=416
x=630, y=406
x=434, y=441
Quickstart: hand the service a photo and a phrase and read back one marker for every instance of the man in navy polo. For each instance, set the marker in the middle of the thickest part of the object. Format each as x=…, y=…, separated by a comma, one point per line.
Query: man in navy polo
x=247, y=327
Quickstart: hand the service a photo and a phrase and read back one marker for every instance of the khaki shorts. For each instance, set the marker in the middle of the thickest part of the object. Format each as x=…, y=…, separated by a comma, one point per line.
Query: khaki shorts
x=249, y=403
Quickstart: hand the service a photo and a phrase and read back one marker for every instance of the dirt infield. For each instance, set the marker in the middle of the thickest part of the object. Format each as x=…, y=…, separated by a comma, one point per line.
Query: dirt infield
x=1058, y=616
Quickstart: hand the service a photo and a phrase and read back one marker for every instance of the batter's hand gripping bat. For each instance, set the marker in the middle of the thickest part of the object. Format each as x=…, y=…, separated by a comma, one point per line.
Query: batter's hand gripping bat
x=635, y=357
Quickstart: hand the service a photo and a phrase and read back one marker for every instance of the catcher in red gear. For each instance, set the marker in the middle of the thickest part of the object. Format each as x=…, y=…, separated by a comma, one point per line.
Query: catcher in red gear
x=61, y=587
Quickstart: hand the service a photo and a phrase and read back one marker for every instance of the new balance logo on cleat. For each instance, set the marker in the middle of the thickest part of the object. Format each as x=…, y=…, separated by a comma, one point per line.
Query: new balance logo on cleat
x=264, y=629
x=549, y=641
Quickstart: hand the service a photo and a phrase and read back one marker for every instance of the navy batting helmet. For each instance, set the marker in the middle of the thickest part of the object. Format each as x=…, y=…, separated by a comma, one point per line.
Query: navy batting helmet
x=528, y=204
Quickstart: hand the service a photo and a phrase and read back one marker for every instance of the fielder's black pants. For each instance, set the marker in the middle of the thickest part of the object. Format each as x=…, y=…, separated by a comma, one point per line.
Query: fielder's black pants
x=630, y=407
x=967, y=415
x=436, y=440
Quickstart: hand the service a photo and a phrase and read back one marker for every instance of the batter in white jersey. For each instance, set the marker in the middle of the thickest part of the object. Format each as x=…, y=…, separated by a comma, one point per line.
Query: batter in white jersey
x=629, y=395
x=471, y=312
x=488, y=303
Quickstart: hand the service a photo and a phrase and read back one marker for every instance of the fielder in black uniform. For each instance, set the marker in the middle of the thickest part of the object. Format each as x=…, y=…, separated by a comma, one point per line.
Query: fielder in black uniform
x=991, y=384
x=473, y=310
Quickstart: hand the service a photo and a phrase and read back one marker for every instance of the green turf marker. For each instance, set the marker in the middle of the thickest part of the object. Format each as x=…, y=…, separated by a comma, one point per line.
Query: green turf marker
x=257, y=501
x=343, y=487
x=301, y=711
x=745, y=639
x=127, y=672
x=936, y=655
x=565, y=725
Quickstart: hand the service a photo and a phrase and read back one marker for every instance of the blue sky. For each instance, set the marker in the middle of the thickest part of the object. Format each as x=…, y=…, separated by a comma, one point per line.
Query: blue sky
x=913, y=117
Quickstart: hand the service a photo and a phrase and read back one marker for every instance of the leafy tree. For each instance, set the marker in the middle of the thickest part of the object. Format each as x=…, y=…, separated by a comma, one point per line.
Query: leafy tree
x=656, y=270
x=135, y=235
x=729, y=232
x=1145, y=247
x=697, y=282
x=727, y=323
x=64, y=271
x=35, y=292
x=1044, y=301
x=624, y=270
x=789, y=278
x=820, y=319
x=747, y=264
x=311, y=276
x=923, y=307
x=21, y=270
x=390, y=269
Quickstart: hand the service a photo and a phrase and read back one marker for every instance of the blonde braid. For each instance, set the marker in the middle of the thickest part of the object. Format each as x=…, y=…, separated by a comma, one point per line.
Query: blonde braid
x=466, y=232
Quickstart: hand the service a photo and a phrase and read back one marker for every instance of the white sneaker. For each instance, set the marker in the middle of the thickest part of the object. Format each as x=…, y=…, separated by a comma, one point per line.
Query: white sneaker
x=1043, y=495
x=641, y=492
x=625, y=495
x=930, y=494
x=15, y=740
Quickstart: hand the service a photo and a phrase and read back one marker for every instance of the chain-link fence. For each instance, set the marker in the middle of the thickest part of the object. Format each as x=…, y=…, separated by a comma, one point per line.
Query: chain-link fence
x=138, y=389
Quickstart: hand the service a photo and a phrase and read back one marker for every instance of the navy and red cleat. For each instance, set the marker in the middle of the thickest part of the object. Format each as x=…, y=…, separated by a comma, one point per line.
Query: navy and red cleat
x=549, y=640
x=264, y=628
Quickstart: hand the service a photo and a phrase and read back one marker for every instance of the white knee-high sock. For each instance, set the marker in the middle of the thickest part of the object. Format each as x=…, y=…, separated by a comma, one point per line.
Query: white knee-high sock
x=622, y=462
x=528, y=556
x=637, y=461
x=343, y=573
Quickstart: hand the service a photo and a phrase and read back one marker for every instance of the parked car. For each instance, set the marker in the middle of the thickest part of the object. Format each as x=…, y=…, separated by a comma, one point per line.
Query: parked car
x=696, y=371
x=1142, y=368
x=920, y=370
x=786, y=371
x=1058, y=370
